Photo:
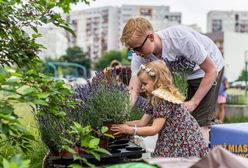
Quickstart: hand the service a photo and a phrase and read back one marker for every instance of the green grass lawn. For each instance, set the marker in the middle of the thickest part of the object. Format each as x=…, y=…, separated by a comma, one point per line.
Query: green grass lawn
x=27, y=119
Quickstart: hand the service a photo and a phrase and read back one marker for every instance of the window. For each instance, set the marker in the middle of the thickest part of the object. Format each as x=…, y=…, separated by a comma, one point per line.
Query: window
x=216, y=25
x=146, y=12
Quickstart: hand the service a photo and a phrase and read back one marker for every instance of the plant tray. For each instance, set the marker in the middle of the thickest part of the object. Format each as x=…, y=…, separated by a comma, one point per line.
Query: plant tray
x=120, y=153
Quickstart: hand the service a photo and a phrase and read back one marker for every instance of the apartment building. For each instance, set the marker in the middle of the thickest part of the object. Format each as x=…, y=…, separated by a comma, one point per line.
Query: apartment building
x=77, y=20
x=95, y=29
x=227, y=21
x=159, y=16
x=53, y=38
x=98, y=29
x=233, y=45
x=154, y=14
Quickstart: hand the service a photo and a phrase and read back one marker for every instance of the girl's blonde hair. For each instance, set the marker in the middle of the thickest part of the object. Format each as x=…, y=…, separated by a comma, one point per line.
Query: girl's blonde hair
x=135, y=28
x=162, y=78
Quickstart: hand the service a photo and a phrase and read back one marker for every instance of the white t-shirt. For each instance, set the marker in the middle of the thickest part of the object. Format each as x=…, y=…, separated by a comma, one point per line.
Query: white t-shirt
x=183, y=49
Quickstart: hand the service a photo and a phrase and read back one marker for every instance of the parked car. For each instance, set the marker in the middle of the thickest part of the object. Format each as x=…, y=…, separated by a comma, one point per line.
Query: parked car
x=238, y=84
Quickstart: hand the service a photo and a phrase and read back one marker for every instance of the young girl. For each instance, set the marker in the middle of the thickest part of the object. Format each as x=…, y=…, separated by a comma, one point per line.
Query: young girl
x=179, y=133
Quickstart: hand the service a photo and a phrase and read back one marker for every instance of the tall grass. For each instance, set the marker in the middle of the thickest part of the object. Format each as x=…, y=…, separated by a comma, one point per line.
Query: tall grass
x=27, y=119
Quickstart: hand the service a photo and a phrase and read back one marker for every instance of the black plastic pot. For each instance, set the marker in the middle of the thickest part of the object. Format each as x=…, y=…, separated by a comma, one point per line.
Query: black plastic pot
x=120, y=153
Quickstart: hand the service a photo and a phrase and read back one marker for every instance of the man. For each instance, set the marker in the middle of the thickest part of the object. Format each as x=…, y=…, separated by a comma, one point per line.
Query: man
x=182, y=49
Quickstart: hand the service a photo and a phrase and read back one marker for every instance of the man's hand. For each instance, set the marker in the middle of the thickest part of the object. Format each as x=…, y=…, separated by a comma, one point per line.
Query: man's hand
x=190, y=105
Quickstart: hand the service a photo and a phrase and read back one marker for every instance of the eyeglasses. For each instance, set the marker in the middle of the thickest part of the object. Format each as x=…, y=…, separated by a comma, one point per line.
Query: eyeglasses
x=139, y=49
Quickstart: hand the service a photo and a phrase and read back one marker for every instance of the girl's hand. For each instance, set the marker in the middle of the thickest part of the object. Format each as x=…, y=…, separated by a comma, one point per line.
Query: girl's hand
x=122, y=129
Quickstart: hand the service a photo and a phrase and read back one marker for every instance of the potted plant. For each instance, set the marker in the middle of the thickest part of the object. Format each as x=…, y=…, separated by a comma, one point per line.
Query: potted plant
x=73, y=148
x=51, y=129
x=96, y=103
x=103, y=101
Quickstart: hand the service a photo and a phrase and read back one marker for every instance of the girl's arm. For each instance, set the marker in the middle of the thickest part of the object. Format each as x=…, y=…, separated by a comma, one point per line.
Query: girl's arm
x=142, y=122
x=142, y=131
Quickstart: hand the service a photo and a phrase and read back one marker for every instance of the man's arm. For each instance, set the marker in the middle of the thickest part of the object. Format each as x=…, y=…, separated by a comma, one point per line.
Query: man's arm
x=134, y=86
x=210, y=76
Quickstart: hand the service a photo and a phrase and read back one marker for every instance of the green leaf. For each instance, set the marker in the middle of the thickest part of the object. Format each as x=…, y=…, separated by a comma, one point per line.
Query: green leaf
x=43, y=95
x=36, y=35
x=29, y=90
x=102, y=150
x=6, y=109
x=94, y=142
x=6, y=164
x=109, y=135
x=40, y=102
x=104, y=129
x=34, y=29
x=25, y=164
x=69, y=149
x=96, y=155
x=75, y=165
x=78, y=127
x=1, y=77
x=13, y=79
x=85, y=141
x=16, y=74
x=68, y=29
x=84, y=160
x=29, y=136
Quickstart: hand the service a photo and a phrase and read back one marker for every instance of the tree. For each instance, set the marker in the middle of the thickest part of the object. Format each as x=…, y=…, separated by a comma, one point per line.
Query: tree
x=242, y=76
x=17, y=48
x=76, y=55
x=109, y=56
x=15, y=45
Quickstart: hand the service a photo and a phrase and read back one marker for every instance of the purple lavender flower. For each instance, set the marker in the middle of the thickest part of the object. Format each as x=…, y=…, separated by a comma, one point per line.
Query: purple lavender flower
x=102, y=99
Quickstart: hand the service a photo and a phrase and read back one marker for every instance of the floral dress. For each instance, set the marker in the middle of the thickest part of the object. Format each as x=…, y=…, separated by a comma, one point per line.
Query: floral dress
x=181, y=135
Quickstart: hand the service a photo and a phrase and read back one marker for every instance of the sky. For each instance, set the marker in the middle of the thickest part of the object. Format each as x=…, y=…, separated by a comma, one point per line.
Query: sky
x=193, y=11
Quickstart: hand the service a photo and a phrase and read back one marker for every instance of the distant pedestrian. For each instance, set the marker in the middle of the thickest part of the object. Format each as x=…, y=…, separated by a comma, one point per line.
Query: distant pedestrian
x=222, y=98
x=115, y=63
x=115, y=71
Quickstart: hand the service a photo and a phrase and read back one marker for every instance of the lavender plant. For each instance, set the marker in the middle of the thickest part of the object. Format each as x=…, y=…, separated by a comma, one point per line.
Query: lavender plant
x=51, y=131
x=137, y=110
x=104, y=99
